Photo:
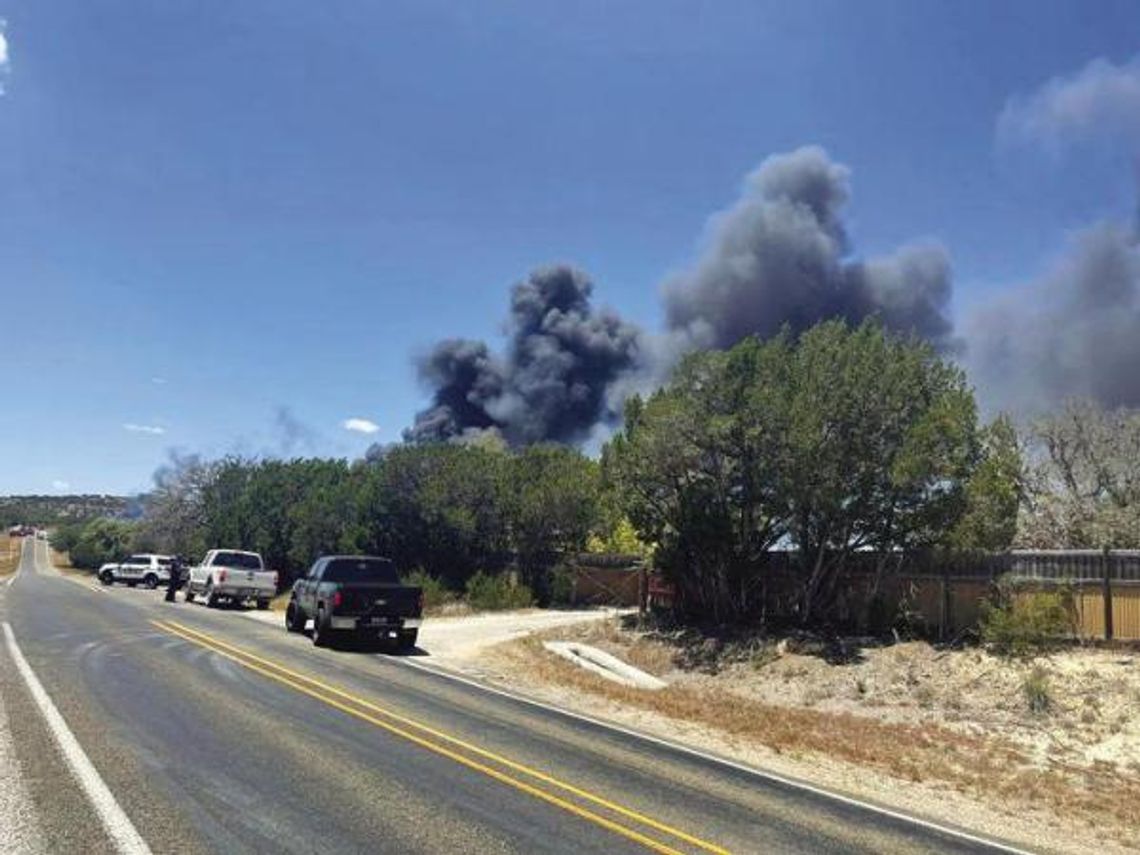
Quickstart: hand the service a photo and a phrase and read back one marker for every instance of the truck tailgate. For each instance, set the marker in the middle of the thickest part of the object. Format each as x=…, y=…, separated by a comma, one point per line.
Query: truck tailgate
x=388, y=600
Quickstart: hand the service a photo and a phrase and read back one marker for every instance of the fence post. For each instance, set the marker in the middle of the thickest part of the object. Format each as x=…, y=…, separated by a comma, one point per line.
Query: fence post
x=642, y=590
x=944, y=611
x=1107, y=594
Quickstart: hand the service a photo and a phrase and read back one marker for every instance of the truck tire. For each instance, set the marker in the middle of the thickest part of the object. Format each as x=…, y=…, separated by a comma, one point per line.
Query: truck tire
x=211, y=597
x=406, y=640
x=107, y=578
x=322, y=632
x=188, y=594
x=294, y=619
x=151, y=581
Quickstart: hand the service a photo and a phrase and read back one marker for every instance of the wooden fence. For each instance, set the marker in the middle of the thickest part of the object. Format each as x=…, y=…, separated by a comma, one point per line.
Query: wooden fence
x=946, y=593
x=608, y=580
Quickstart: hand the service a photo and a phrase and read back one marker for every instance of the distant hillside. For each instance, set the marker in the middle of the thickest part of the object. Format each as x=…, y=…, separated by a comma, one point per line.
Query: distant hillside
x=48, y=510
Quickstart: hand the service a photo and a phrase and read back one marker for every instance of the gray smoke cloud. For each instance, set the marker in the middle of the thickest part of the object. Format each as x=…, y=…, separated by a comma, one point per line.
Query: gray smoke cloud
x=551, y=383
x=1073, y=333
x=780, y=255
x=1102, y=99
x=293, y=436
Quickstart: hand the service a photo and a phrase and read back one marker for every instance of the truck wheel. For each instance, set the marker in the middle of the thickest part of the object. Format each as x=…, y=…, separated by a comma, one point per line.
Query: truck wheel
x=322, y=633
x=188, y=594
x=151, y=581
x=294, y=619
x=407, y=639
x=107, y=578
x=211, y=597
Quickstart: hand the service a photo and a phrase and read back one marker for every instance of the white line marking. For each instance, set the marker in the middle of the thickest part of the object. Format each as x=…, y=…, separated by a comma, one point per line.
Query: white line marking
x=127, y=840
x=759, y=773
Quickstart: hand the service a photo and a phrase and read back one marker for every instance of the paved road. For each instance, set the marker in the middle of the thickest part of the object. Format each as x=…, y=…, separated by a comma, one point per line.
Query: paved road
x=215, y=733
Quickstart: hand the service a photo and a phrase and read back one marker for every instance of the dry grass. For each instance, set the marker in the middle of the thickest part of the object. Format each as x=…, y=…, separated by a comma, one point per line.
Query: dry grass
x=10, y=556
x=976, y=761
x=62, y=562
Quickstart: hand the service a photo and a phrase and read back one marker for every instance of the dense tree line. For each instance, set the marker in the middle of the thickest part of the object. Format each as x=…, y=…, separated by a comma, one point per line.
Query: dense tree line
x=59, y=510
x=450, y=510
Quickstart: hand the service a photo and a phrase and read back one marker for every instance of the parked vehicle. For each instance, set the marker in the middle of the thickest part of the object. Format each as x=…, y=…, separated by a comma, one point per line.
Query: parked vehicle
x=357, y=594
x=146, y=569
x=233, y=575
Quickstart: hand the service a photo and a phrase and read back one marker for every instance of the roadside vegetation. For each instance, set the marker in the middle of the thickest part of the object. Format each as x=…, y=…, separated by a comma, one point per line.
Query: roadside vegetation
x=480, y=523
x=10, y=556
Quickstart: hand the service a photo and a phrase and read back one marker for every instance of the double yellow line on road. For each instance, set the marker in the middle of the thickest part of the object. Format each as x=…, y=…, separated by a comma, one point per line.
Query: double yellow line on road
x=453, y=748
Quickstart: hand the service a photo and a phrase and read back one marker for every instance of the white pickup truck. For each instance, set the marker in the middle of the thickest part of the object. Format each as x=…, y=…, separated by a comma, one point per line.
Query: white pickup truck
x=230, y=574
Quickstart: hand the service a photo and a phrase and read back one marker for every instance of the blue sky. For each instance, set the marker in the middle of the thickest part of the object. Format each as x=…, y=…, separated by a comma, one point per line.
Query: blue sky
x=216, y=217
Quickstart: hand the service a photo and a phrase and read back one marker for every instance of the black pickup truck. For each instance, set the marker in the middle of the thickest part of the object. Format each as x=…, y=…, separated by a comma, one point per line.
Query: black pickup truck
x=358, y=594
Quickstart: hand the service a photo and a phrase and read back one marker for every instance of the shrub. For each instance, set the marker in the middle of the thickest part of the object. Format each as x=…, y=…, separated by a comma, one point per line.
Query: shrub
x=561, y=585
x=1036, y=689
x=436, y=593
x=1026, y=624
x=100, y=541
x=493, y=593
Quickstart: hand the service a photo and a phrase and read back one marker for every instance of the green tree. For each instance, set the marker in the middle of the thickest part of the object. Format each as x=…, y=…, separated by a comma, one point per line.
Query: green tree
x=554, y=505
x=699, y=468
x=882, y=440
x=102, y=540
x=438, y=507
x=840, y=441
x=993, y=492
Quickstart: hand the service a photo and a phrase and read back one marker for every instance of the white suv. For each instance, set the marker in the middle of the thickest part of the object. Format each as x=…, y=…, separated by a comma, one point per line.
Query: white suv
x=150, y=570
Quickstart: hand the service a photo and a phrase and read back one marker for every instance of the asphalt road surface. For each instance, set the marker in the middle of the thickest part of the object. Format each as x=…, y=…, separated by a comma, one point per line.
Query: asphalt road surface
x=189, y=729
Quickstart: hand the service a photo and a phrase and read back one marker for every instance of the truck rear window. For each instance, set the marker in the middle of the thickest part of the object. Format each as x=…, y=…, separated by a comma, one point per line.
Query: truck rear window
x=378, y=570
x=237, y=560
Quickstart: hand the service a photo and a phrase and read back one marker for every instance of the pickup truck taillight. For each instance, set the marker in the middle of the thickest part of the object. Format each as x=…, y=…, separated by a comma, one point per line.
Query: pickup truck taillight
x=222, y=575
x=337, y=599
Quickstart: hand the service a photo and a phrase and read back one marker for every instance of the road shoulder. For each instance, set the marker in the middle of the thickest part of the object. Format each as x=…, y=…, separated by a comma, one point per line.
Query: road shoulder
x=511, y=667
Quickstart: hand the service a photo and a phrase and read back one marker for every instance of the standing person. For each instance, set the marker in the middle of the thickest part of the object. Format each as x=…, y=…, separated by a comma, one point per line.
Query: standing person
x=175, y=578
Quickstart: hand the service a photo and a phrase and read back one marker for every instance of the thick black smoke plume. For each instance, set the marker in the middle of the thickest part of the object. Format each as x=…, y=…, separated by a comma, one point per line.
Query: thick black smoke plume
x=780, y=256
x=551, y=384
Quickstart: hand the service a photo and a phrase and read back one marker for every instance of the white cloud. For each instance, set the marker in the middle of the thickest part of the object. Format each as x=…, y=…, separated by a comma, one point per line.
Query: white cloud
x=360, y=425
x=158, y=381
x=60, y=486
x=1100, y=99
x=155, y=430
x=4, y=65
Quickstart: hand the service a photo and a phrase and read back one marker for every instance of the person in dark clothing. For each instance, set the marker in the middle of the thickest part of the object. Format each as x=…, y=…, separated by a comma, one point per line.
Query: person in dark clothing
x=175, y=578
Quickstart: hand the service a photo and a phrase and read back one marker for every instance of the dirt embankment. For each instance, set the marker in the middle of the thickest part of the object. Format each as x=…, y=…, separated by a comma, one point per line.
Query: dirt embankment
x=1044, y=752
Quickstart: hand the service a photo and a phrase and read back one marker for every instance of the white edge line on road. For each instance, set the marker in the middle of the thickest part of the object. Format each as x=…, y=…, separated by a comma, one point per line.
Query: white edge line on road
x=122, y=831
x=723, y=761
